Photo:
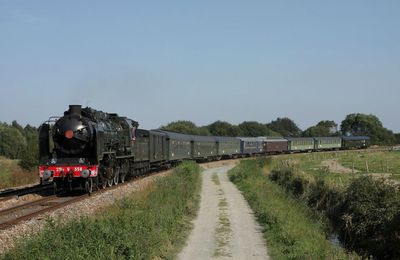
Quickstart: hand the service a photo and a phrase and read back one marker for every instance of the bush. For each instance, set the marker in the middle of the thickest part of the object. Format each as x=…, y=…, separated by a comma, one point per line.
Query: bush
x=371, y=216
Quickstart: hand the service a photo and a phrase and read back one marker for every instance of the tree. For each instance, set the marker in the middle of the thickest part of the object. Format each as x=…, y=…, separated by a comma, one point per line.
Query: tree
x=203, y=130
x=254, y=129
x=29, y=157
x=397, y=138
x=285, y=127
x=17, y=126
x=185, y=127
x=12, y=142
x=369, y=125
x=220, y=128
x=323, y=128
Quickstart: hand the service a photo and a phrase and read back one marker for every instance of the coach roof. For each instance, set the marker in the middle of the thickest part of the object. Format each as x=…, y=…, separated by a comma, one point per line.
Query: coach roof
x=177, y=136
x=355, y=138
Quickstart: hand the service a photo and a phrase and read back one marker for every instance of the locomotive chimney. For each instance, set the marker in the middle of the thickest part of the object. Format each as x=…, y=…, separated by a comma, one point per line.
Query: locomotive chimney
x=75, y=109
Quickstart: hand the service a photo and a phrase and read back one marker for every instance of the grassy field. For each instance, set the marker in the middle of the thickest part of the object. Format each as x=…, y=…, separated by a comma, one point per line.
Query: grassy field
x=340, y=168
x=151, y=224
x=292, y=230
x=12, y=175
x=387, y=162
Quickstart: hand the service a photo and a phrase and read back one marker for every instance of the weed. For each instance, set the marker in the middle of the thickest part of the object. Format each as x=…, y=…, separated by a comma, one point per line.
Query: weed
x=215, y=179
x=222, y=203
x=223, y=230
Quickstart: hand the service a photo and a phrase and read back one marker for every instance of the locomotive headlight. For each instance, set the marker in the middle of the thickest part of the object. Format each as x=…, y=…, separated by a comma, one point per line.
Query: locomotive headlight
x=69, y=134
x=47, y=174
x=85, y=173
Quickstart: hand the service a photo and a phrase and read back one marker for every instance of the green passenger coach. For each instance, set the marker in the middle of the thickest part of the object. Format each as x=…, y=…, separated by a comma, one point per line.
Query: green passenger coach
x=298, y=144
x=355, y=142
x=327, y=143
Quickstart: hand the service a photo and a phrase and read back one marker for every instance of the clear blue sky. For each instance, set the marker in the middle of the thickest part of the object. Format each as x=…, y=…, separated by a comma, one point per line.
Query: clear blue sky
x=160, y=61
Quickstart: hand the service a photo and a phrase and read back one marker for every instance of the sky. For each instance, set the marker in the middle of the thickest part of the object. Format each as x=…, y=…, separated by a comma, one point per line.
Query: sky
x=162, y=61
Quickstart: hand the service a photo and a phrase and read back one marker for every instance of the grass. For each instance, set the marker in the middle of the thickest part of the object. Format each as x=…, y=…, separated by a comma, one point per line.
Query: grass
x=150, y=224
x=215, y=179
x=291, y=229
x=223, y=230
x=11, y=174
x=380, y=163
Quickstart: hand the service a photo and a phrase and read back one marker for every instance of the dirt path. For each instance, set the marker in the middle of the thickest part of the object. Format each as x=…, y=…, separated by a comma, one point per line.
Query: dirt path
x=334, y=166
x=225, y=226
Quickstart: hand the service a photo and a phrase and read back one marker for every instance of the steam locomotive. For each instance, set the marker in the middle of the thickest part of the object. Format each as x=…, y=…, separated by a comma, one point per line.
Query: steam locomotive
x=86, y=148
x=92, y=149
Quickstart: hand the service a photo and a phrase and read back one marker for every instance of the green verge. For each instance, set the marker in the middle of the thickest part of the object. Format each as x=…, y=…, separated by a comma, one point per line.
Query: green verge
x=291, y=229
x=365, y=212
x=152, y=223
x=11, y=174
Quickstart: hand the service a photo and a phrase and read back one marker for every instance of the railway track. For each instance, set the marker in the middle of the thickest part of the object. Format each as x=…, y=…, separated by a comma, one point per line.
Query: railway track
x=15, y=193
x=13, y=215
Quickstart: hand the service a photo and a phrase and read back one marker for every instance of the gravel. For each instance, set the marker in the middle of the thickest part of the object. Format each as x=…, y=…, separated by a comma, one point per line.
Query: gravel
x=19, y=200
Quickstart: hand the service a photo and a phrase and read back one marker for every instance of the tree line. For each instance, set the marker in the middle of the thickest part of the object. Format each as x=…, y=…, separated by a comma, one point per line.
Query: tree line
x=17, y=142
x=353, y=124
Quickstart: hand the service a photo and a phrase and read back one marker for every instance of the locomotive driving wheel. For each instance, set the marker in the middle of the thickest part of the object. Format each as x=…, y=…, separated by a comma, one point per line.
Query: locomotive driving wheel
x=103, y=183
x=103, y=179
x=55, y=188
x=116, y=176
x=123, y=172
x=122, y=177
x=110, y=176
x=110, y=182
x=96, y=182
x=89, y=185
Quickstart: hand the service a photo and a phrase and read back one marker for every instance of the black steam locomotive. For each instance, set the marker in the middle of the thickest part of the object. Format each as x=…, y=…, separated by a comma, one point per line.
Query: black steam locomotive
x=86, y=148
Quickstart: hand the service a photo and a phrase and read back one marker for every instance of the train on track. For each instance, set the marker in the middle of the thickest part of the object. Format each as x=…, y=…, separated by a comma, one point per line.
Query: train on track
x=92, y=149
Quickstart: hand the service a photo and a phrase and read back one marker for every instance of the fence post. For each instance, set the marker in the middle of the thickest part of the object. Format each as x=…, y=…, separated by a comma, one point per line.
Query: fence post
x=387, y=166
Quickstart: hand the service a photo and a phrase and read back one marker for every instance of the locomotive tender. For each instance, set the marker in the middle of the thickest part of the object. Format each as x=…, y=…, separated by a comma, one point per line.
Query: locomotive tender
x=92, y=149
